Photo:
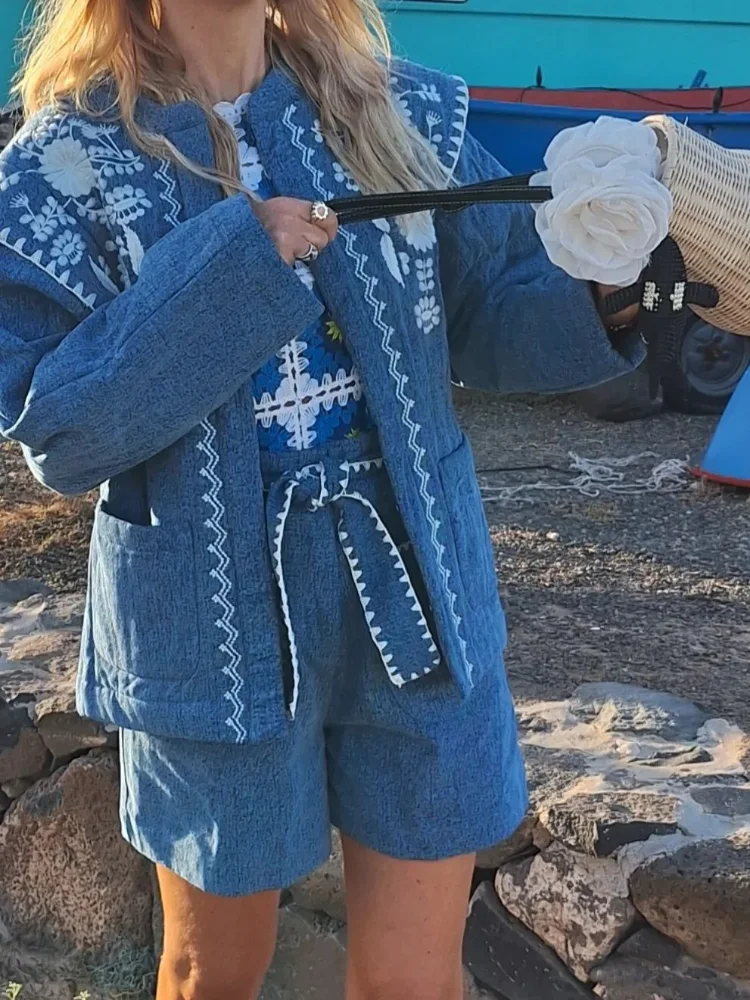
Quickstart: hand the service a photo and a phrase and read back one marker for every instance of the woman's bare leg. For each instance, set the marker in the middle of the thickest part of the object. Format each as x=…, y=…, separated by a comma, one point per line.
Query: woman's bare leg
x=214, y=947
x=406, y=923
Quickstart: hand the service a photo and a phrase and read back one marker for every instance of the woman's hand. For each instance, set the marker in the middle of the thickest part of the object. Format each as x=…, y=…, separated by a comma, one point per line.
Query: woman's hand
x=625, y=318
x=289, y=223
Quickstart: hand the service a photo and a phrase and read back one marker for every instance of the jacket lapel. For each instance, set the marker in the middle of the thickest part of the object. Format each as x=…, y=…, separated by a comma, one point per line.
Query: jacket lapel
x=351, y=274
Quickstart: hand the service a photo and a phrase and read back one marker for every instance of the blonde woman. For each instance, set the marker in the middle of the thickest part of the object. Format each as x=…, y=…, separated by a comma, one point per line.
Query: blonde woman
x=293, y=614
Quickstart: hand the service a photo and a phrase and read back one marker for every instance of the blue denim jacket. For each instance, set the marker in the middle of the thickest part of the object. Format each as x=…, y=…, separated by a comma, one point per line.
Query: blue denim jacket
x=136, y=304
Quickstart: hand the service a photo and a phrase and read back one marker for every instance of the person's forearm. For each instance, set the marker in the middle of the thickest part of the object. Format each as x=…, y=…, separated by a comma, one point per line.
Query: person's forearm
x=212, y=303
x=627, y=317
x=542, y=336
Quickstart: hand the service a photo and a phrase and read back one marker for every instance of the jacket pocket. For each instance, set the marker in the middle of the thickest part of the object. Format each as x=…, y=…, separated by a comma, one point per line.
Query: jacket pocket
x=476, y=562
x=143, y=598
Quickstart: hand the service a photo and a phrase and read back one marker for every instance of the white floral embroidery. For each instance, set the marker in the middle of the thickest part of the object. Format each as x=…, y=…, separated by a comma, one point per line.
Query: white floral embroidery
x=427, y=312
x=417, y=105
x=418, y=230
x=115, y=161
x=343, y=176
x=317, y=131
x=402, y=106
x=100, y=269
x=123, y=205
x=434, y=136
x=68, y=249
x=305, y=275
x=390, y=257
x=66, y=166
x=232, y=111
x=119, y=247
x=8, y=180
x=429, y=92
x=422, y=106
x=425, y=274
x=397, y=263
x=425, y=92
x=45, y=222
x=251, y=169
x=78, y=159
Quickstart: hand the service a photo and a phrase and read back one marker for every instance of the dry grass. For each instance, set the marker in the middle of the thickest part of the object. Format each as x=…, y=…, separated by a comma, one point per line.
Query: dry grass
x=42, y=536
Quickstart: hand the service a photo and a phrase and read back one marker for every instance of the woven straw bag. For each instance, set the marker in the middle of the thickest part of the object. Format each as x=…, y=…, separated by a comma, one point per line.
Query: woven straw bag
x=711, y=218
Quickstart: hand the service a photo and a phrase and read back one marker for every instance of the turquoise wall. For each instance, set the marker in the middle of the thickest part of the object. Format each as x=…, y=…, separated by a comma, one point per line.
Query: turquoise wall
x=578, y=43
x=11, y=12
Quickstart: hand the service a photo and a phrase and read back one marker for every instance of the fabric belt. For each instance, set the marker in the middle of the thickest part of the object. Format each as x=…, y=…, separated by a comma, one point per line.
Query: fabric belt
x=393, y=612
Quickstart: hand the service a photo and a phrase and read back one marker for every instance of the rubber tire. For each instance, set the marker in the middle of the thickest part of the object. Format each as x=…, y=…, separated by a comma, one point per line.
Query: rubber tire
x=686, y=389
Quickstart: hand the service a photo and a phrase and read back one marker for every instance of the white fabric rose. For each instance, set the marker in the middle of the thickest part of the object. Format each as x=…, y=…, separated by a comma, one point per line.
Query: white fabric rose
x=604, y=140
x=609, y=212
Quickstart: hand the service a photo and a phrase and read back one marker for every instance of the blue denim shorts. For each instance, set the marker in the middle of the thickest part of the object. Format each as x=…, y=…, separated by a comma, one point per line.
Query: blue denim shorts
x=379, y=742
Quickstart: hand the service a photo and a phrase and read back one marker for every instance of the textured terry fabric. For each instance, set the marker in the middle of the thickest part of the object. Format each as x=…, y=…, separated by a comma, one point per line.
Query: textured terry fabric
x=416, y=772
x=136, y=307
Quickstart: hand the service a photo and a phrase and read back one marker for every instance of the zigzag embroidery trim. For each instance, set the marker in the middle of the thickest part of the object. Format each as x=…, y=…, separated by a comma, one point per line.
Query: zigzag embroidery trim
x=458, y=127
x=403, y=577
x=278, y=541
x=364, y=465
x=375, y=630
x=217, y=548
x=215, y=524
x=378, y=307
x=307, y=152
x=165, y=176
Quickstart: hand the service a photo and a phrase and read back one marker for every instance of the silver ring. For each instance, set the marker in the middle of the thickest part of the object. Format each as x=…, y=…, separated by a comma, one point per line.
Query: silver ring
x=319, y=212
x=312, y=253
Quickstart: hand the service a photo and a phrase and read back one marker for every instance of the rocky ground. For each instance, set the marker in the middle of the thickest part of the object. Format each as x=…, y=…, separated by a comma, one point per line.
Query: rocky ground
x=651, y=588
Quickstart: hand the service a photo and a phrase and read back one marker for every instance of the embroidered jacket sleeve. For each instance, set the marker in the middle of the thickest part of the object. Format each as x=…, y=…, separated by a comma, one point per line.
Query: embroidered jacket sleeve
x=94, y=380
x=515, y=322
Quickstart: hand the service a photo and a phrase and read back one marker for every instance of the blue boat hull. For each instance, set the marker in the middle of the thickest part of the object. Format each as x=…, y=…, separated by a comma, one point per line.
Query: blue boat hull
x=519, y=134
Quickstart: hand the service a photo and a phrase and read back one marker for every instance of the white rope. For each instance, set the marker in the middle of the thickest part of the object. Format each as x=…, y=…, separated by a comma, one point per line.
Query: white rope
x=597, y=476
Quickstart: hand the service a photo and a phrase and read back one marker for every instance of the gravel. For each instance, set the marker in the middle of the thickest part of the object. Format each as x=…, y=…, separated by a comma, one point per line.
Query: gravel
x=651, y=588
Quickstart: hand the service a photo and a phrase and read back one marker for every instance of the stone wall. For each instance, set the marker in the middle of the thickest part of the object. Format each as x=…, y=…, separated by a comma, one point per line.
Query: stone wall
x=629, y=880
x=631, y=877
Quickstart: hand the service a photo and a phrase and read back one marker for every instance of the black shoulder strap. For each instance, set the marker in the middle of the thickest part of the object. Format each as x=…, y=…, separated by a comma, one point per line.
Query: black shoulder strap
x=664, y=293
x=365, y=208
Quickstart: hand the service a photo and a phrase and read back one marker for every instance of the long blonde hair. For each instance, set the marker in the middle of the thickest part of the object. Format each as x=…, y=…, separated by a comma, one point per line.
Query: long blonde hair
x=337, y=50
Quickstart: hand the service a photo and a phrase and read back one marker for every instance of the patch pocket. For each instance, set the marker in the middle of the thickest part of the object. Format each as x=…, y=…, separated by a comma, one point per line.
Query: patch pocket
x=476, y=561
x=143, y=598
